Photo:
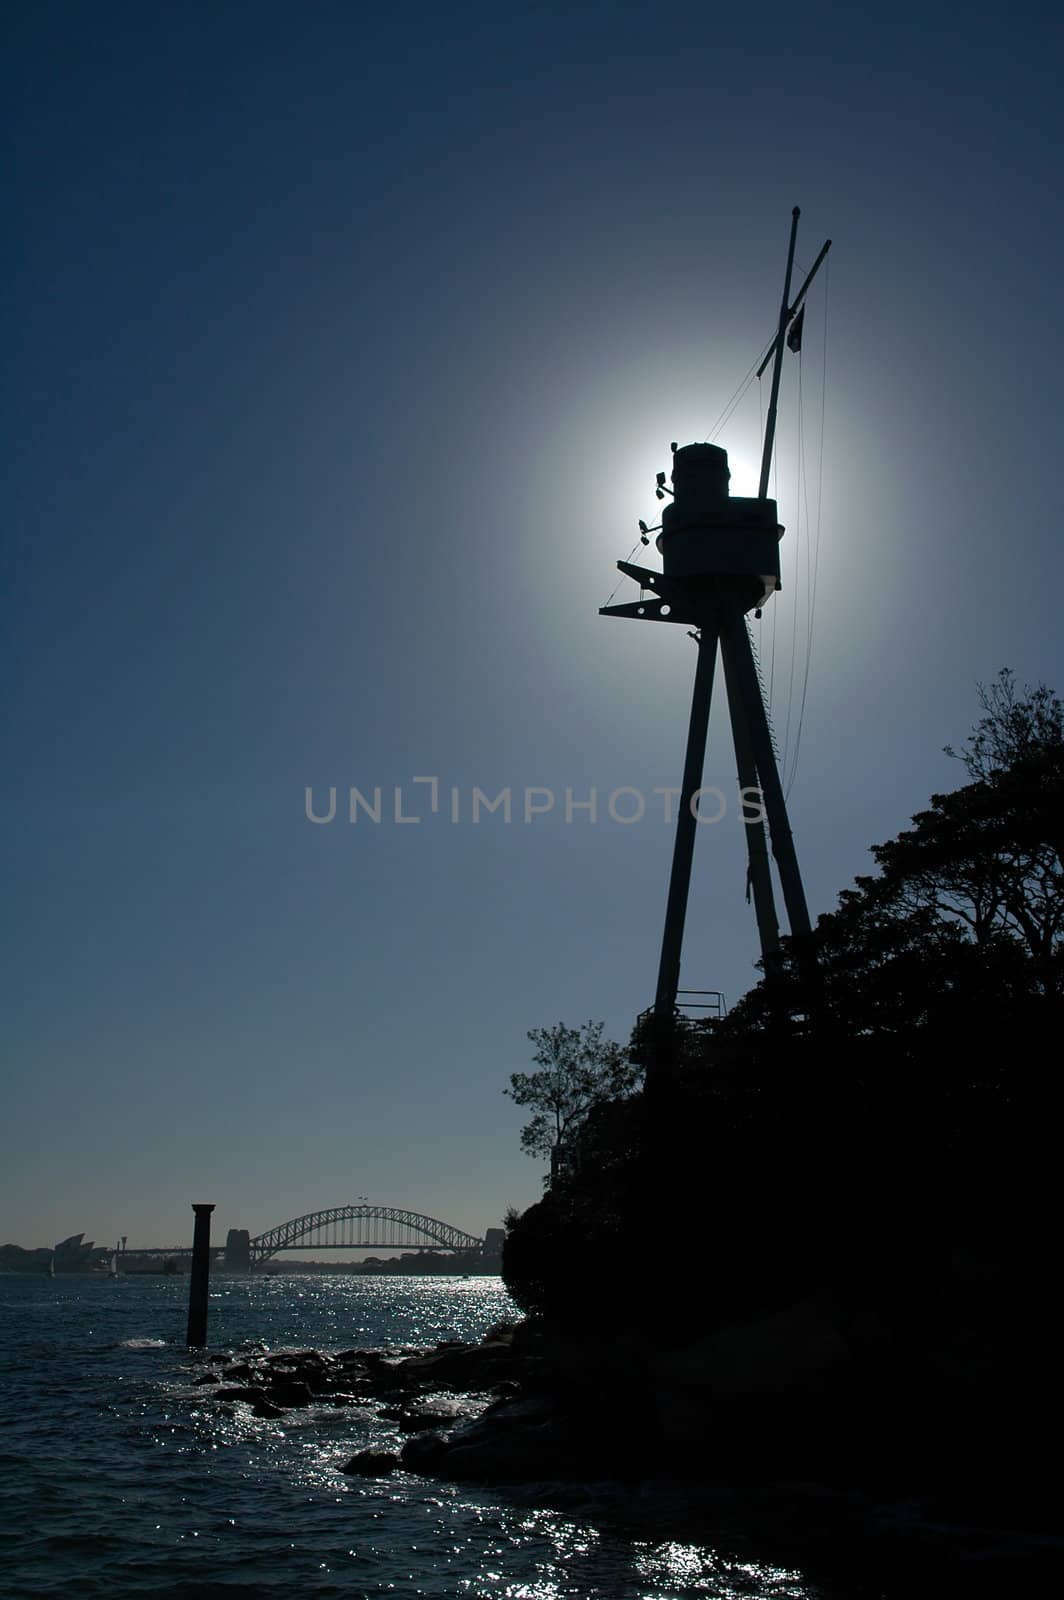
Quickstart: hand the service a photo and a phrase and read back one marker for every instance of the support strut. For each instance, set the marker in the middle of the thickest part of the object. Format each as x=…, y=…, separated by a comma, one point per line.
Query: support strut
x=739, y=665
x=686, y=823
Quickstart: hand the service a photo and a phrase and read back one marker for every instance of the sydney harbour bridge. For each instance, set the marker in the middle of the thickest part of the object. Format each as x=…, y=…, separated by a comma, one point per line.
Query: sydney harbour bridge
x=353, y=1227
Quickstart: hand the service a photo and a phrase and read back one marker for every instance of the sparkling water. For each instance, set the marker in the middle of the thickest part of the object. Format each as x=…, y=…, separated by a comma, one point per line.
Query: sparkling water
x=120, y=1478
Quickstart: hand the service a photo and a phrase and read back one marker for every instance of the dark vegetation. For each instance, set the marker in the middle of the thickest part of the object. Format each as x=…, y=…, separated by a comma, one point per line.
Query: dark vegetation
x=824, y=1240
x=577, y=1071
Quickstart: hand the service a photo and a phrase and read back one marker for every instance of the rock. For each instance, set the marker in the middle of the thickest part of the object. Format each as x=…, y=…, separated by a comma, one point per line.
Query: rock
x=500, y=1333
x=425, y=1453
x=467, y=1367
x=371, y=1464
x=528, y=1336
x=513, y=1442
x=289, y=1392
x=308, y=1367
x=358, y=1385
x=430, y=1414
x=251, y=1394
x=239, y=1369
x=379, y=1373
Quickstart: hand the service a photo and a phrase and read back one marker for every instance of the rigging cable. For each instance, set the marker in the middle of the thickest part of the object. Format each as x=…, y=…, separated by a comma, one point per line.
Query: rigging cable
x=623, y=575
x=816, y=538
x=729, y=410
x=795, y=581
x=803, y=502
x=775, y=608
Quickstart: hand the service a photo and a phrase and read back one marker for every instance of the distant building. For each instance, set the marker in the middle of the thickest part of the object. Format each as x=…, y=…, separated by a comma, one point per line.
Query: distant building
x=238, y=1250
x=73, y=1255
x=69, y=1255
x=13, y=1258
x=493, y=1239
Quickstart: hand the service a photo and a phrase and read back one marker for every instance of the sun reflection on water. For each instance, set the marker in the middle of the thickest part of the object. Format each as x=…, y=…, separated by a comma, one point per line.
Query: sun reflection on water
x=402, y=1534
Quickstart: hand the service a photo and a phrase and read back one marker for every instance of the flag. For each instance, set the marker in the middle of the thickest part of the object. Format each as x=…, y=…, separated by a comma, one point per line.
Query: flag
x=794, y=337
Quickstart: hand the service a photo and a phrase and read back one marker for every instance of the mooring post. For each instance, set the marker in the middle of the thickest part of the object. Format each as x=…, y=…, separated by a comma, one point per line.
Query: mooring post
x=200, y=1280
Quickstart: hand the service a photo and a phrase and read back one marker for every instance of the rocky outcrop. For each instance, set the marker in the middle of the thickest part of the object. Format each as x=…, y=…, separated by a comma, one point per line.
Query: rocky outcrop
x=537, y=1438
x=688, y=1436
x=402, y=1377
x=371, y=1464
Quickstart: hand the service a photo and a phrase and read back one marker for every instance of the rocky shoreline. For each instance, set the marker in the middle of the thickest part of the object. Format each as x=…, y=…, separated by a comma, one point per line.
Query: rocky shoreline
x=409, y=1386
x=493, y=1412
x=499, y=1413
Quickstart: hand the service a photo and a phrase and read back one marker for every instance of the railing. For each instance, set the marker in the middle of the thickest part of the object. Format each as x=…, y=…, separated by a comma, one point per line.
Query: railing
x=714, y=1002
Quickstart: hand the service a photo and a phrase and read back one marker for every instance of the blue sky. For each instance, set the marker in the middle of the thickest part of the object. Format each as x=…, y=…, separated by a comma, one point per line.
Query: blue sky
x=343, y=345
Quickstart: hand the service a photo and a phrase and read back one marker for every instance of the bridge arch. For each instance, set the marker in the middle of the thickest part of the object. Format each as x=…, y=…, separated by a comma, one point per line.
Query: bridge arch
x=362, y=1227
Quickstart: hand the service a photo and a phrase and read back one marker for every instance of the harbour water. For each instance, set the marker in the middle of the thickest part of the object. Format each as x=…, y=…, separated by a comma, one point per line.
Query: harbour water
x=119, y=1478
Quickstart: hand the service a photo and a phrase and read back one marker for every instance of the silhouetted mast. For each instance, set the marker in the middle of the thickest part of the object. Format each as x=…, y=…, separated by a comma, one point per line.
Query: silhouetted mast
x=720, y=560
x=777, y=366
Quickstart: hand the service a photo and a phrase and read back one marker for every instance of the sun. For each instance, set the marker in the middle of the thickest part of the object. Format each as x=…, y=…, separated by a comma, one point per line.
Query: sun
x=745, y=471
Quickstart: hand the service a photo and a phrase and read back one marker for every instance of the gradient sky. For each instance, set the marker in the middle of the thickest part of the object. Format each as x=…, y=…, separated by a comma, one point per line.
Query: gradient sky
x=343, y=344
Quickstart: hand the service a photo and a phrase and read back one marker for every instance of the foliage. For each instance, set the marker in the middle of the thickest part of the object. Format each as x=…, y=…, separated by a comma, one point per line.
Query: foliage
x=905, y=1119
x=570, y=1249
x=968, y=907
x=988, y=858
x=1015, y=729
x=578, y=1070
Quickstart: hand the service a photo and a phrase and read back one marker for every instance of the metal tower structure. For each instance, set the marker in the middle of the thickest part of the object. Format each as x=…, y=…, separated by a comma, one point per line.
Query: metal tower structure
x=720, y=560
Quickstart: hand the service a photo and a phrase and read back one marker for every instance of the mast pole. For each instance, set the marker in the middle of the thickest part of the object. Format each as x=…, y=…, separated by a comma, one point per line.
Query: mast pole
x=739, y=666
x=760, y=878
x=686, y=822
x=770, y=425
x=799, y=297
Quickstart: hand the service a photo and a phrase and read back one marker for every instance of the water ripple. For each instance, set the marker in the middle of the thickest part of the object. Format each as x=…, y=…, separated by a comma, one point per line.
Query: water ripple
x=119, y=1478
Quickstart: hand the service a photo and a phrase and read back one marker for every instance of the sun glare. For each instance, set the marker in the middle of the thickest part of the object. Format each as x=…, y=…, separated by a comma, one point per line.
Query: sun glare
x=745, y=472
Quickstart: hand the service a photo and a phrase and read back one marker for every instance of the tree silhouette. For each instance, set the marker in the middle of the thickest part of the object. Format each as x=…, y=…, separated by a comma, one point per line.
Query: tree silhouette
x=968, y=907
x=578, y=1070
x=1016, y=727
